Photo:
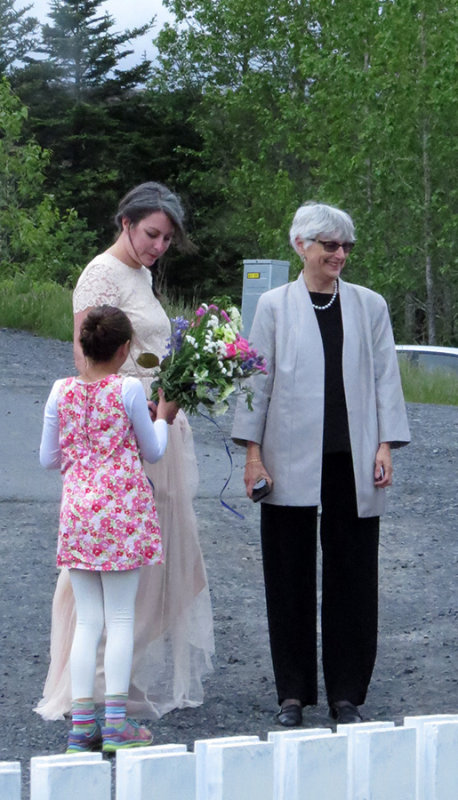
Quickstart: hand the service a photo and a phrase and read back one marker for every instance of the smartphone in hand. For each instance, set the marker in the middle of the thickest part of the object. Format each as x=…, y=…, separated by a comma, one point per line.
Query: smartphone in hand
x=260, y=489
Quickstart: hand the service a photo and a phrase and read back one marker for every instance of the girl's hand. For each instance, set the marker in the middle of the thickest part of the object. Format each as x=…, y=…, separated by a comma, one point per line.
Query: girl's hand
x=152, y=407
x=383, y=469
x=166, y=409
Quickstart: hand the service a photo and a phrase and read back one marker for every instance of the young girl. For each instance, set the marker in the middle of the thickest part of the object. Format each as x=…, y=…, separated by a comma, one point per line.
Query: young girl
x=96, y=429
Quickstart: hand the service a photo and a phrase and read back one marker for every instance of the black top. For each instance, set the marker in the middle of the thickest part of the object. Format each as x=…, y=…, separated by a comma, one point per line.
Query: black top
x=336, y=434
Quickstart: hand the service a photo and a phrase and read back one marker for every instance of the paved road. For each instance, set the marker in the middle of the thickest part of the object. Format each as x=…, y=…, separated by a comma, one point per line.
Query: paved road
x=418, y=648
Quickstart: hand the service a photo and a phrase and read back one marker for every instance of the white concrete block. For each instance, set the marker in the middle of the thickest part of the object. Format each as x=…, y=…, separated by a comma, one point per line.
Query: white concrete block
x=350, y=731
x=279, y=739
x=10, y=780
x=123, y=756
x=385, y=765
x=159, y=776
x=71, y=777
x=201, y=749
x=419, y=722
x=316, y=768
x=240, y=771
x=440, y=765
x=59, y=758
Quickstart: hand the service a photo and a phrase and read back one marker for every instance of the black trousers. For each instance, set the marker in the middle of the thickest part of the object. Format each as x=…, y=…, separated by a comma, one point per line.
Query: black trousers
x=349, y=590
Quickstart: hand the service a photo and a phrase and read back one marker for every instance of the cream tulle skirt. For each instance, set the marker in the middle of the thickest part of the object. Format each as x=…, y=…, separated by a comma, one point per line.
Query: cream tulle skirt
x=173, y=626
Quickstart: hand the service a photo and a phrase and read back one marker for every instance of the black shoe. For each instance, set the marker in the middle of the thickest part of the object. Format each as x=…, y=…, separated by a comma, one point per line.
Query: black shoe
x=345, y=713
x=290, y=716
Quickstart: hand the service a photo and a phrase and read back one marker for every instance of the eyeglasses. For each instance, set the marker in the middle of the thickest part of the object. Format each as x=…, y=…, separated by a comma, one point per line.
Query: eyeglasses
x=332, y=247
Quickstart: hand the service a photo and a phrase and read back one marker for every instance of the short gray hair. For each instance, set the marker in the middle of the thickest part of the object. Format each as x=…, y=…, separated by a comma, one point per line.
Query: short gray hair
x=147, y=198
x=311, y=219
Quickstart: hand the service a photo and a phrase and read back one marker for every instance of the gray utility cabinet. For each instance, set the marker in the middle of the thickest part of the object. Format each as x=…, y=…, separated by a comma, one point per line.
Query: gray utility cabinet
x=259, y=275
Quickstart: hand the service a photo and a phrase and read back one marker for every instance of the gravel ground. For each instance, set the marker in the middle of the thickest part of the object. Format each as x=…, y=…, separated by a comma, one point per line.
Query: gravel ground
x=418, y=643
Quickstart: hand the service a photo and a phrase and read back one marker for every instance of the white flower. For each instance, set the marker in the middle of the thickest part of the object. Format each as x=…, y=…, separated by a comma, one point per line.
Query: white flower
x=236, y=318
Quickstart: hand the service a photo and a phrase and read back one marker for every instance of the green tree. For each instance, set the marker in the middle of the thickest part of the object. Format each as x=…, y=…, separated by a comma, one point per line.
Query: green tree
x=241, y=60
x=352, y=103
x=86, y=52
x=75, y=97
x=386, y=151
x=35, y=238
x=18, y=35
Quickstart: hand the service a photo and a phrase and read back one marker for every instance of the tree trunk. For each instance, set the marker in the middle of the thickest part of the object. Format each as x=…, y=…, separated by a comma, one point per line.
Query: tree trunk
x=409, y=318
x=427, y=236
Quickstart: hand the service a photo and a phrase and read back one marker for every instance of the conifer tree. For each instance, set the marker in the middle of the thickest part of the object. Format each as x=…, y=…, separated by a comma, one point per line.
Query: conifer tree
x=18, y=35
x=73, y=95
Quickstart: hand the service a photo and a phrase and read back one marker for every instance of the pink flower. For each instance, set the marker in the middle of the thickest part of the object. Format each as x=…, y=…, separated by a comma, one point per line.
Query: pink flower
x=200, y=312
x=242, y=344
x=231, y=349
x=225, y=315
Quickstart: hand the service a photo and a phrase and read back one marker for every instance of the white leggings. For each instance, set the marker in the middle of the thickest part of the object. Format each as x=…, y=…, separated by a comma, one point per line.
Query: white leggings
x=103, y=599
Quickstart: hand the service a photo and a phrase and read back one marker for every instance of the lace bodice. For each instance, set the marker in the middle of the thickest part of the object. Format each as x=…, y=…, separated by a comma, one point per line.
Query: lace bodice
x=108, y=280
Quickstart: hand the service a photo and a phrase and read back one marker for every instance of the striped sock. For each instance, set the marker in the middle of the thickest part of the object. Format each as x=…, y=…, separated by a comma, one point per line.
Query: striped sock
x=115, y=710
x=83, y=715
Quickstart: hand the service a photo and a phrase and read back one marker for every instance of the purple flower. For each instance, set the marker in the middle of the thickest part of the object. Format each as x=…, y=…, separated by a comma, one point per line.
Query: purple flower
x=179, y=327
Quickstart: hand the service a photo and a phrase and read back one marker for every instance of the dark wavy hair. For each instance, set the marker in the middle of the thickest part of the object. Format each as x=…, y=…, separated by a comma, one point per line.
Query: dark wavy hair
x=103, y=330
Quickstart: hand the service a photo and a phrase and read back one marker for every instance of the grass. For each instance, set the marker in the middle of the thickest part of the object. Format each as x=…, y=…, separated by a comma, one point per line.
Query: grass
x=46, y=310
x=422, y=386
x=43, y=308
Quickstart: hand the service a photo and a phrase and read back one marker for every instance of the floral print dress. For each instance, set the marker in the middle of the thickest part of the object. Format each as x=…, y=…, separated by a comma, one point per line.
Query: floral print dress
x=108, y=519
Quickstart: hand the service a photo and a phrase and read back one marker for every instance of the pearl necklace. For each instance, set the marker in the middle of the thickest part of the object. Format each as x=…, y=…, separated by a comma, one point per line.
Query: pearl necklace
x=328, y=305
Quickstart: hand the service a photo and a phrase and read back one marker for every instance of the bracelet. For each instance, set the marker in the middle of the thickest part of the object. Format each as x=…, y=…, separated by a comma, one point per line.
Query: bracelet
x=253, y=461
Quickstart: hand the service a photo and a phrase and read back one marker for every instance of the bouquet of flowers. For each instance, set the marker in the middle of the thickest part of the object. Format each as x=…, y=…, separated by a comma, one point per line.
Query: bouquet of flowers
x=206, y=361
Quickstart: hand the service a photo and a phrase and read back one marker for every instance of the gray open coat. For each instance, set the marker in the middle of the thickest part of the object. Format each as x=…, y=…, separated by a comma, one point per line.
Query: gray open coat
x=287, y=416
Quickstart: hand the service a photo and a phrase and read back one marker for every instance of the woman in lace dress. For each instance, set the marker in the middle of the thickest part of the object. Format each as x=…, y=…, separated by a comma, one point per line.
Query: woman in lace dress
x=174, y=629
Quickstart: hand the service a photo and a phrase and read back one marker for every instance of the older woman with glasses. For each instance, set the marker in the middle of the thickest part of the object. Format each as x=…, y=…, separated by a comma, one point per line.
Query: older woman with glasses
x=324, y=421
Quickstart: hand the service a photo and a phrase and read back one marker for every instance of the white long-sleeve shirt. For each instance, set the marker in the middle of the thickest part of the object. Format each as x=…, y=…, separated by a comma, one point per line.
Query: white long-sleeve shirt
x=151, y=436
